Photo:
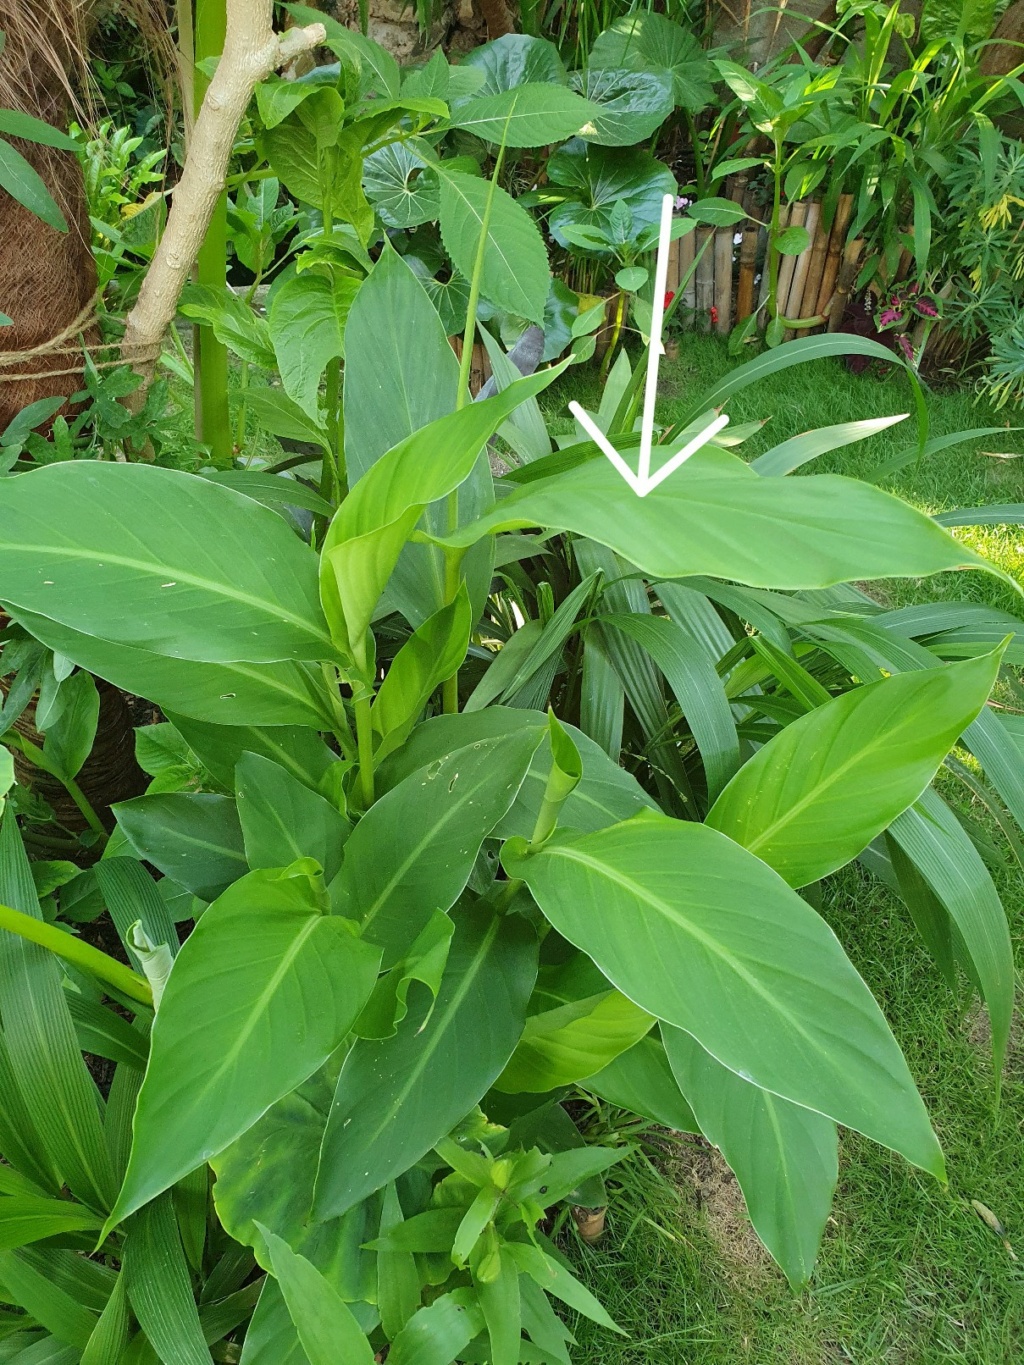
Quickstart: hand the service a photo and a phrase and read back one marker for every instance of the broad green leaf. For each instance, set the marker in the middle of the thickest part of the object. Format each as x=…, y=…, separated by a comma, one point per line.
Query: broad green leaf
x=398, y=1281
x=398, y=1097
x=397, y=187
x=194, y=837
x=26, y=1218
x=435, y=1335
x=431, y=654
x=604, y=795
x=307, y=328
x=598, y=178
x=19, y=1139
x=374, y=522
x=784, y=1157
x=261, y=994
x=554, y=1279
x=282, y=820
x=283, y=693
x=716, y=519
x=515, y=60
x=792, y=240
x=70, y=735
x=131, y=897
x=281, y=416
x=934, y=840
x=529, y=115
x=277, y=491
x=628, y=105
x=271, y=1338
x=105, y=1034
x=815, y=796
x=45, y=1063
x=161, y=561
x=699, y=932
x=412, y=852
x=563, y=1045
x=515, y=273
x=17, y=124
x=297, y=749
x=642, y=1082
x=159, y=1285
x=327, y=1329
x=23, y=183
x=644, y=39
x=499, y=1302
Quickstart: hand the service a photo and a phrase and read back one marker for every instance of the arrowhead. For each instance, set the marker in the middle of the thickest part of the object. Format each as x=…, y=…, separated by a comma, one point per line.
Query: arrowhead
x=643, y=484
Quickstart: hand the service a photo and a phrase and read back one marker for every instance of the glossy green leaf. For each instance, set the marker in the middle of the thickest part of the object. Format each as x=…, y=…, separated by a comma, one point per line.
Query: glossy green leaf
x=131, y=897
x=299, y=750
x=554, y=1279
x=412, y=852
x=515, y=273
x=307, y=327
x=194, y=837
x=799, y=450
x=271, y=1338
x=325, y=1324
x=598, y=178
x=110, y=1335
x=236, y=694
x=232, y=320
x=815, y=796
x=514, y=60
x=25, y=1218
x=397, y=188
x=934, y=840
x=160, y=1288
x=161, y=561
x=528, y=115
x=46, y=1065
x=261, y=994
x=398, y=1281
x=23, y=183
x=784, y=1157
x=643, y=39
x=641, y=1081
x=50, y=1303
x=715, y=517
x=562, y=1045
x=699, y=932
x=435, y=1335
x=374, y=522
x=431, y=654
x=71, y=734
x=630, y=105
x=398, y=1097
x=282, y=820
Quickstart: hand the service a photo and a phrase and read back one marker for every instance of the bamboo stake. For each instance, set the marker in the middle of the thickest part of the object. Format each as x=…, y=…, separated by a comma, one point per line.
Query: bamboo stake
x=815, y=270
x=723, y=280
x=794, y=304
x=847, y=275
x=797, y=214
x=672, y=275
x=705, y=281
x=748, y=265
x=836, y=242
x=762, y=293
x=687, y=246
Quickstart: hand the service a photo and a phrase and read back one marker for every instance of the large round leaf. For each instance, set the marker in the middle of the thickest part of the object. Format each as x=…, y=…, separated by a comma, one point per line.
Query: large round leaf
x=397, y=187
x=161, y=561
x=696, y=930
x=514, y=60
x=531, y=115
x=595, y=178
x=645, y=39
x=815, y=796
x=633, y=104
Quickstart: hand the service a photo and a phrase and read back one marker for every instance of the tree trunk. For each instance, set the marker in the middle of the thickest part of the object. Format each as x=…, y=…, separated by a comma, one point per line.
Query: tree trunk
x=46, y=277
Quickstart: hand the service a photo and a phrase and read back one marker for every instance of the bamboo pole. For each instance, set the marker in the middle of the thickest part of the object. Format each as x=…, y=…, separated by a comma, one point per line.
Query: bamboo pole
x=836, y=242
x=816, y=270
x=847, y=275
x=723, y=280
x=797, y=214
x=745, y=280
x=705, y=280
x=794, y=304
x=687, y=246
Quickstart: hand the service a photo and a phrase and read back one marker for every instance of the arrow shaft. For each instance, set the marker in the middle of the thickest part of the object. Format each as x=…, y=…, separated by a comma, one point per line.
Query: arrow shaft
x=655, y=350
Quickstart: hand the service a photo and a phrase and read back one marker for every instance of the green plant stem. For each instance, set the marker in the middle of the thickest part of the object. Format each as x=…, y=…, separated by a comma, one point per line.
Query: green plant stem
x=620, y=312
x=41, y=760
x=507, y=894
x=73, y=950
x=335, y=432
x=773, y=236
x=240, y=423
x=213, y=415
x=364, y=739
x=698, y=163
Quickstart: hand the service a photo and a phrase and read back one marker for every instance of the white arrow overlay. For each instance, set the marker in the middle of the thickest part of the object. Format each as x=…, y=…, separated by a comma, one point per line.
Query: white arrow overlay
x=642, y=481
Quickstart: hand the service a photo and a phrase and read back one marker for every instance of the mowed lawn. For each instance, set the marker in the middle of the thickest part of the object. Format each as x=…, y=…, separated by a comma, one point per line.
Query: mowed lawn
x=909, y=1274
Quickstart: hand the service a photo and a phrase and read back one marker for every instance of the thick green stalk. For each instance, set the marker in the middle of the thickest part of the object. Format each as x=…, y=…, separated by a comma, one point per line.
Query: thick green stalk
x=213, y=417
x=80, y=954
x=364, y=739
x=773, y=236
x=41, y=760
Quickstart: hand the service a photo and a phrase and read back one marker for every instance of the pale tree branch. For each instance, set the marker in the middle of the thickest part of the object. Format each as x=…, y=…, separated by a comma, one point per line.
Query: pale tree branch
x=252, y=50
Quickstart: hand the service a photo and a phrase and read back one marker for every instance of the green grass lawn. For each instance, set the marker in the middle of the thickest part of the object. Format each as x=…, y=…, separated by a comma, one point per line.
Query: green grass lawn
x=909, y=1274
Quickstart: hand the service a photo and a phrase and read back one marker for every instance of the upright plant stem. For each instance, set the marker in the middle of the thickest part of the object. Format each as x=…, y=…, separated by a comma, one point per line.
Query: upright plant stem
x=364, y=739
x=773, y=236
x=453, y=561
x=213, y=418
x=80, y=954
x=39, y=758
